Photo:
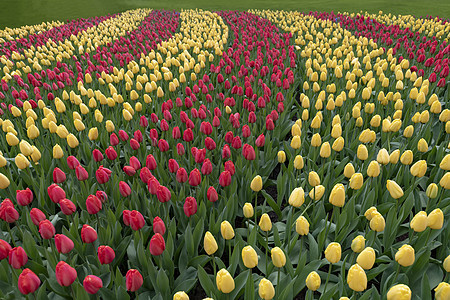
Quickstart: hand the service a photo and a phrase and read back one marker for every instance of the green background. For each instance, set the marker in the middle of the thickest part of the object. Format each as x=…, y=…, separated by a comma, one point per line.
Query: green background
x=15, y=13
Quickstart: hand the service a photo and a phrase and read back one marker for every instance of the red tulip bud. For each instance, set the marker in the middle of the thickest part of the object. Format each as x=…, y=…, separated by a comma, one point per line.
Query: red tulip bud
x=211, y=194
x=190, y=206
x=65, y=274
x=7, y=212
x=181, y=175
x=260, y=141
x=37, y=216
x=134, y=280
x=136, y=220
x=46, y=229
x=72, y=162
x=226, y=152
x=92, y=284
x=129, y=170
x=113, y=139
x=56, y=193
x=5, y=248
x=63, y=243
x=111, y=153
x=157, y=245
x=163, y=194
x=81, y=173
x=58, y=175
x=135, y=163
x=180, y=149
x=207, y=167
x=105, y=255
x=150, y=162
x=97, y=155
x=195, y=177
x=67, y=206
x=93, y=204
x=17, y=257
x=24, y=197
x=28, y=282
x=225, y=178
x=88, y=234
x=173, y=166
x=124, y=189
x=159, y=226
x=123, y=135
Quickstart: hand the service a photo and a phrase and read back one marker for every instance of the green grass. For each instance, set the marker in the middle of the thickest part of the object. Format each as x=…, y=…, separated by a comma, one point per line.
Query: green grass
x=15, y=13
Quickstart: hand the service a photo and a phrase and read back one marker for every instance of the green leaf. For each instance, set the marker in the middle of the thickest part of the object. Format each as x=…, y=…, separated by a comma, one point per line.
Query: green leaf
x=272, y=203
x=426, y=289
x=239, y=282
x=162, y=282
x=250, y=288
x=205, y=281
x=186, y=280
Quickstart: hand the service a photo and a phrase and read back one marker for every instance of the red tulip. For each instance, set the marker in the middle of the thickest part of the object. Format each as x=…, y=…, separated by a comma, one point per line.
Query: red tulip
x=97, y=155
x=56, y=193
x=153, y=134
x=102, y=196
x=63, y=243
x=188, y=135
x=225, y=178
x=93, y=204
x=37, y=216
x=105, y=255
x=46, y=229
x=195, y=177
x=181, y=175
x=150, y=162
x=159, y=226
x=206, y=128
x=163, y=145
x=88, y=234
x=28, y=282
x=145, y=175
x=210, y=144
x=207, y=167
x=129, y=170
x=176, y=133
x=81, y=173
x=17, y=257
x=173, y=166
x=236, y=143
x=24, y=197
x=123, y=135
x=157, y=244
x=124, y=189
x=7, y=212
x=269, y=124
x=92, y=284
x=246, y=132
x=226, y=152
x=103, y=174
x=143, y=122
x=248, y=152
x=67, y=207
x=113, y=139
x=229, y=166
x=211, y=194
x=153, y=185
x=5, y=248
x=58, y=175
x=199, y=155
x=441, y=82
x=164, y=126
x=180, y=149
x=65, y=274
x=138, y=136
x=190, y=206
x=72, y=162
x=111, y=154
x=134, y=280
x=163, y=194
x=136, y=220
x=260, y=141
x=135, y=163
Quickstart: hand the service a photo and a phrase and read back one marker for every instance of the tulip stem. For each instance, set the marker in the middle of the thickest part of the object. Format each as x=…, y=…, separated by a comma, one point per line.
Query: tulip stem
x=256, y=202
x=137, y=295
x=214, y=265
x=278, y=283
x=267, y=249
x=328, y=277
x=10, y=235
x=396, y=273
x=229, y=252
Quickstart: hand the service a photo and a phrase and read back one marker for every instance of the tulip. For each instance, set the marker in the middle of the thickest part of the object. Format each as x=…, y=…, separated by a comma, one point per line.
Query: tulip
x=67, y=206
x=358, y=244
x=224, y=281
x=366, y=258
x=180, y=296
x=5, y=248
x=28, y=282
x=63, y=243
x=356, y=278
x=256, y=184
x=302, y=226
x=93, y=205
x=445, y=181
x=159, y=226
x=383, y=157
x=124, y=189
x=105, y=255
x=248, y=210
x=297, y=197
x=278, y=257
x=225, y=178
x=394, y=156
x=134, y=280
x=370, y=213
x=405, y=255
x=211, y=194
x=46, y=229
x=37, y=216
x=407, y=157
x=432, y=191
x=21, y=161
x=436, y=219
x=373, y=170
x=92, y=284
x=157, y=245
x=445, y=163
x=88, y=234
x=313, y=179
x=377, y=222
x=65, y=274
x=356, y=181
x=249, y=257
x=313, y=281
x=298, y=162
x=190, y=206
x=226, y=230
x=337, y=196
x=442, y=291
x=209, y=243
x=24, y=197
x=317, y=192
x=296, y=142
x=281, y=157
x=394, y=189
x=4, y=181
x=422, y=146
x=419, y=168
x=266, y=290
x=362, y=152
x=333, y=252
x=72, y=162
x=81, y=173
x=399, y=292
x=265, y=223
x=17, y=257
x=419, y=222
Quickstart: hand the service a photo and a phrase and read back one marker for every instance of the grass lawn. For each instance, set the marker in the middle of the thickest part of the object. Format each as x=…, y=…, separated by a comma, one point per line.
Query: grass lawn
x=25, y=12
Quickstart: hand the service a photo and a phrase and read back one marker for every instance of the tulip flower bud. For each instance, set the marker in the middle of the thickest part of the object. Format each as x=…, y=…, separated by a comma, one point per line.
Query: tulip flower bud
x=296, y=142
x=46, y=229
x=24, y=197
x=248, y=210
x=337, y=196
x=256, y=184
x=249, y=257
x=65, y=274
x=317, y=192
x=445, y=163
x=373, y=170
x=377, y=222
x=281, y=157
x=134, y=280
x=356, y=181
x=366, y=258
x=419, y=168
x=316, y=140
x=5, y=248
x=333, y=252
x=325, y=150
x=105, y=255
x=180, y=296
x=358, y=244
x=93, y=205
x=446, y=264
x=159, y=226
x=278, y=257
x=297, y=197
x=302, y=225
x=92, y=284
x=356, y=278
x=265, y=223
x=157, y=245
x=383, y=157
x=394, y=189
x=93, y=134
x=394, y=156
x=25, y=148
x=266, y=290
x=399, y=292
x=442, y=291
x=4, y=181
x=349, y=170
x=313, y=179
x=57, y=152
x=88, y=234
x=298, y=162
x=37, y=216
x=436, y=219
x=405, y=255
x=224, y=281
x=422, y=145
x=17, y=257
x=419, y=222
x=445, y=181
x=226, y=230
x=362, y=152
x=313, y=281
x=28, y=282
x=21, y=161
x=63, y=243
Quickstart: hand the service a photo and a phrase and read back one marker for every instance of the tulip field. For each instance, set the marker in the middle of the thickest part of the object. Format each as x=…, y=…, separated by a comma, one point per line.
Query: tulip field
x=193, y=154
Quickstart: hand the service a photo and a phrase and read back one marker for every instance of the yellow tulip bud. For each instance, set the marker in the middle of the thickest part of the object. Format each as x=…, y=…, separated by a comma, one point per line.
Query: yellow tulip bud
x=79, y=126
x=394, y=189
x=313, y=281
x=316, y=140
x=336, y=131
x=72, y=141
x=445, y=163
x=249, y=257
x=337, y=196
x=442, y=291
x=317, y=192
x=224, y=281
x=256, y=184
x=408, y=132
x=349, y=170
x=298, y=162
x=407, y=157
x=265, y=223
x=445, y=181
x=297, y=197
x=446, y=264
x=209, y=243
x=248, y=210
x=375, y=121
x=419, y=222
x=57, y=152
x=377, y=223
x=399, y=292
x=419, y=168
x=370, y=213
x=296, y=130
x=109, y=126
x=11, y=139
x=405, y=255
x=313, y=179
x=32, y=132
x=296, y=142
x=159, y=92
x=180, y=296
x=358, y=244
x=432, y=191
x=36, y=155
x=25, y=148
x=325, y=150
x=422, y=145
x=226, y=230
x=394, y=156
x=356, y=278
x=338, y=144
x=281, y=157
x=93, y=133
x=383, y=157
x=4, y=181
x=278, y=257
x=366, y=258
x=3, y=161
x=302, y=225
x=424, y=117
x=436, y=219
x=373, y=170
x=21, y=161
x=362, y=153
x=266, y=290
x=356, y=181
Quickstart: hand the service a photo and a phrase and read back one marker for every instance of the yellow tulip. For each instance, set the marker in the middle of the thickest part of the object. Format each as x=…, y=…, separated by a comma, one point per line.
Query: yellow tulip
x=394, y=156
x=281, y=157
x=383, y=157
x=36, y=155
x=333, y=252
x=394, y=189
x=209, y=243
x=436, y=219
x=57, y=152
x=297, y=197
x=419, y=222
x=399, y=292
x=316, y=140
x=337, y=195
x=338, y=144
x=445, y=163
x=248, y=210
x=72, y=141
x=266, y=290
x=349, y=170
x=405, y=255
x=249, y=257
x=357, y=278
x=317, y=192
x=25, y=148
x=180, y=296
x=278, y=257
x=11, y=139
x=408, y=132
x=366, y=258
x=325, y=150
x=296, y=143
x=226, y=230
x=442, y=291
x=362, y=152
x=373, y=170
x=419, y=168
x=377, y=222
x=21, y=161
x=445, y=181
x=313, y=178
x=422, y=145
x=302, y=226
x=446, y=264
x=313, y=281
x=358, y=244
x=224, y=281
x=265, y=223
x=93, y=133
x=4, y=181
x=356, y=181
x=256, y=184
x=298, y=162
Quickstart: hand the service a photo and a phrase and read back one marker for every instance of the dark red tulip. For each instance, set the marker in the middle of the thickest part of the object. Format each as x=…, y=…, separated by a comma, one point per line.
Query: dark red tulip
x=17, y=257
x=58, y=175
x=106, y=255
x=199, y=155
x=260, y=141
x=229, y=166
x=65, y=274
x=123, y=136
x=248, y=152
x=113, y=139
x=72, y=162
x=163, y=145
x=81, y=173
x=4, y=249
x=97, y=155
x=129, y=170
x=210, y=144
x=159, y=226
x=111, y=154
x=134, y=280
x=63, y=243
x=195, y=178
x=229, y=136
x=93, y=204
x=190, y=206
x=269, y=124
x=124, y=189
x=135, y=163
x=173, y=166
x=143, y=122
x=181, y=175
x=236, y=143
x=136, y=220
x=92, y=284
x=88, y=234
x=226, y=152
x=46, y=229
x=153, y=185
x=157, y=244
x=150, y=162
x=56, y=193
x=67, y=206
x=163, y=194
x=37, y=216
x=188, y=135
x=225, y=178
x=211, y=194
x=207, y=167
x=24, y=197
x=28, y=282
